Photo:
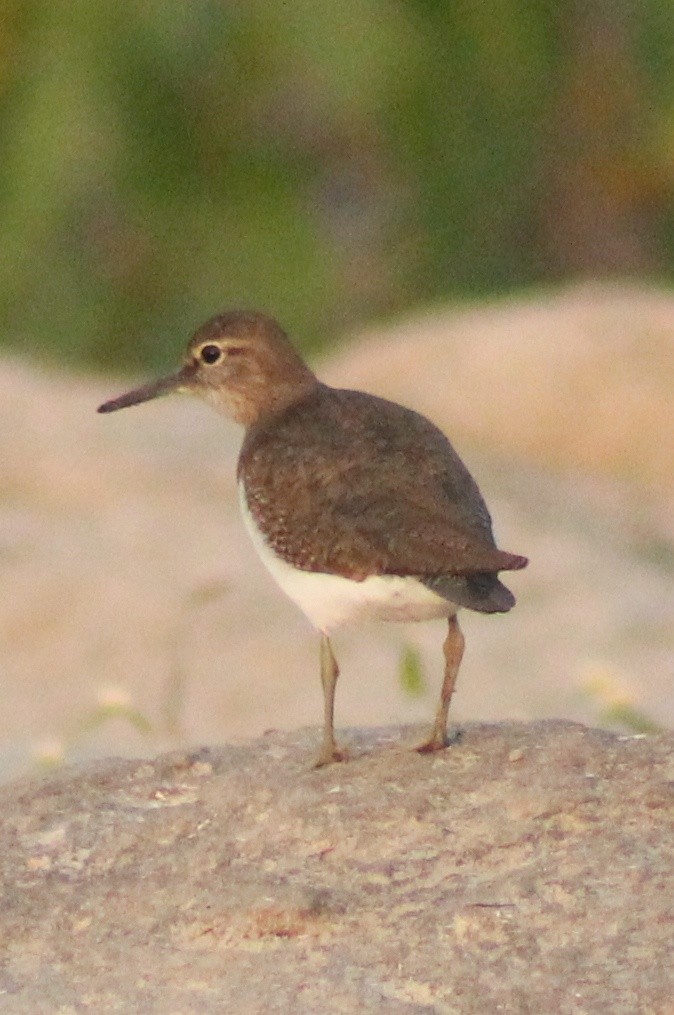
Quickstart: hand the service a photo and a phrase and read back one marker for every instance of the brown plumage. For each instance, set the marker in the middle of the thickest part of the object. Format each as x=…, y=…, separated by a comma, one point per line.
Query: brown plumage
x=375, y=489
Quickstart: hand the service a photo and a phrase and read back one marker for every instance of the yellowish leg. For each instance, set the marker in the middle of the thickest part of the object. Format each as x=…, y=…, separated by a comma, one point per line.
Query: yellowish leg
x=453, y=649
x=329, y=673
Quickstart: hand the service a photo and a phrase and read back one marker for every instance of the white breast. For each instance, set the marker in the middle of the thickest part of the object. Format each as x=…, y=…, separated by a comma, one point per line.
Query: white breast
x=330, y=601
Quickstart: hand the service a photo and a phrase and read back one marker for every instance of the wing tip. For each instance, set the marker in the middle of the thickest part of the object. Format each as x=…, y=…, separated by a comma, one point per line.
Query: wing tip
x=515, y=562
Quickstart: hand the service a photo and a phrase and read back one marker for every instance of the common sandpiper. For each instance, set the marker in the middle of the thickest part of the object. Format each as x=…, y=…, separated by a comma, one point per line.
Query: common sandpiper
x=359, y=508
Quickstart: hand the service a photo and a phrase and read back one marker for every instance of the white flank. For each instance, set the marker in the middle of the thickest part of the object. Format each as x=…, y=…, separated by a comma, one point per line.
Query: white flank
x=330, y=601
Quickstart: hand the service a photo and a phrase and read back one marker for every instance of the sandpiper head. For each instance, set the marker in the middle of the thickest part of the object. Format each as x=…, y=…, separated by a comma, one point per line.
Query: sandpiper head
x=242, y=362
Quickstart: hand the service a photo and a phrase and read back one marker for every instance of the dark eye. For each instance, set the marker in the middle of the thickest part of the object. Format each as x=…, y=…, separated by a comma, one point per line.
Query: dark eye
x=210, y=354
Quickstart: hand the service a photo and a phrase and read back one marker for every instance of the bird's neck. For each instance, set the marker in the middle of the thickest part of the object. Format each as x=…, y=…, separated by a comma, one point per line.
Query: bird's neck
x=261, y=395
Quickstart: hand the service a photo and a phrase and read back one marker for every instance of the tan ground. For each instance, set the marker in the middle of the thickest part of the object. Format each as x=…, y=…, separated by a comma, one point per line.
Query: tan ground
x=127, y=578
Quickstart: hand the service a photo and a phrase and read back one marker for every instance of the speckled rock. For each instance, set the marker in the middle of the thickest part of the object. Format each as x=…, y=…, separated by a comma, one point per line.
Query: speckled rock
x=527, y=869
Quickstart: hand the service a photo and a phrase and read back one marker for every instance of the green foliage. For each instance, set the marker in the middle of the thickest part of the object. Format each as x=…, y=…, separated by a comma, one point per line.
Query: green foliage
x=608, y=690
x=411, y=672
x=627, y=716
x=327, y=162
x=113, y=706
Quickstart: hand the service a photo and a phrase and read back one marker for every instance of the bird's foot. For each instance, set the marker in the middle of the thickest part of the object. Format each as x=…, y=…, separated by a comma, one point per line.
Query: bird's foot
x=438, y=741
x=329, y=754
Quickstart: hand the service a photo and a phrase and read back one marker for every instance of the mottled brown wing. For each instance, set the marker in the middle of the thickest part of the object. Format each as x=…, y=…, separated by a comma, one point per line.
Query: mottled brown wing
x=351, y=484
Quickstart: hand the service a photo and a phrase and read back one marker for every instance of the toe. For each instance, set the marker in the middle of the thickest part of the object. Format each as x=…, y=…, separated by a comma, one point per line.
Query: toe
x=329, y=754
x=438, y=742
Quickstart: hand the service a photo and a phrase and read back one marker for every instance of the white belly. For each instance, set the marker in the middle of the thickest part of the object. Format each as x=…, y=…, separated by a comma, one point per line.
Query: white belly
x=330, y=601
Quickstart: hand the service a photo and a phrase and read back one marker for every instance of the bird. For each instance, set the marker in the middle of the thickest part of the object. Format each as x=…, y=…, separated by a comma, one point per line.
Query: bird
x=359, y=507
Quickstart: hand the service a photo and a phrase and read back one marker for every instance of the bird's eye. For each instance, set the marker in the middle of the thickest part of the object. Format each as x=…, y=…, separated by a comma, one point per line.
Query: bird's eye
x=210, y=354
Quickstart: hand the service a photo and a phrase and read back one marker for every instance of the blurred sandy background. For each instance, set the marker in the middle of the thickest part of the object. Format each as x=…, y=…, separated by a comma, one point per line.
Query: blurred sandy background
x=470, y=210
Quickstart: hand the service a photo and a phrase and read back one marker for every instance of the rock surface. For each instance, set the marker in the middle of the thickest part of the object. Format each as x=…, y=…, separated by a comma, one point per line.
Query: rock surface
x=527, y=869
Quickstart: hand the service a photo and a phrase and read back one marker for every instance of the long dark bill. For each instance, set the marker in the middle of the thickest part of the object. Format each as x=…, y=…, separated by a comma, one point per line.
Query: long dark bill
x=163, y=386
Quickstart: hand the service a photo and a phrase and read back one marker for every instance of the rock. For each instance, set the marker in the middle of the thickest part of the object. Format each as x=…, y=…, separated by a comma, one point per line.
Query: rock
x=527, y=869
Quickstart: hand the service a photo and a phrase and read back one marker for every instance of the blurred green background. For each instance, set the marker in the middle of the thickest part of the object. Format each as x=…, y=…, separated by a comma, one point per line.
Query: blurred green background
x=332, y=163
